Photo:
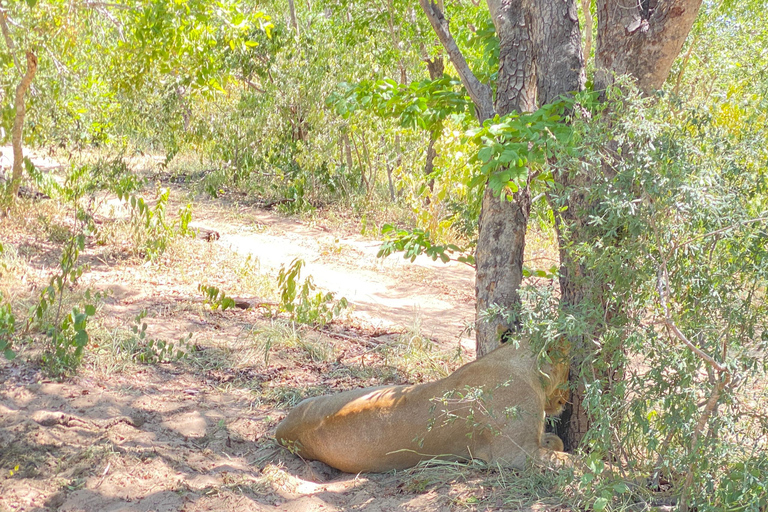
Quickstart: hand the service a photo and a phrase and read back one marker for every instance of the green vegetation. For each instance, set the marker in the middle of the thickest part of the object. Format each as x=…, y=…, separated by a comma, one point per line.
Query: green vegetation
x=661, y=200
x=300, y=301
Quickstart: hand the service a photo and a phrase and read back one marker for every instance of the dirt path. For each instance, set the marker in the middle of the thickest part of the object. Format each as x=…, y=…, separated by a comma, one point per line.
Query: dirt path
x=198, y=434
x=392, y=294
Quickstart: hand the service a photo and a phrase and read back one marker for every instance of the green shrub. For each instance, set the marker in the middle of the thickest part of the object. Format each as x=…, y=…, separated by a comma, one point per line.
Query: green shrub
x=300, y=301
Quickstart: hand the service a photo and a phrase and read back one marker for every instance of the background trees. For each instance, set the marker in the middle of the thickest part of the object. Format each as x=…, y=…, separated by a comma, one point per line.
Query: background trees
x=654, y=188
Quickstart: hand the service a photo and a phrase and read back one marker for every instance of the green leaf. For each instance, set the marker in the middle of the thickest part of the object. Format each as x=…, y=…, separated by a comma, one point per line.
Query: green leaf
x=477, y=181
x=600, y=504
x=81, y=338
x=485, y=154
x=507, y=156
x=90, y=309
x=9, y=354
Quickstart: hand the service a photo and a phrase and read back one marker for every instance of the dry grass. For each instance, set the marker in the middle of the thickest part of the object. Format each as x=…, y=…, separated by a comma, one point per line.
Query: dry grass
x=164, y=431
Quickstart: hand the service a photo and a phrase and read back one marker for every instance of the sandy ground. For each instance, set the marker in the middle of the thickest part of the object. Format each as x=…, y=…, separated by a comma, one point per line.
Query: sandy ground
x=391, y=294
x=197, y=435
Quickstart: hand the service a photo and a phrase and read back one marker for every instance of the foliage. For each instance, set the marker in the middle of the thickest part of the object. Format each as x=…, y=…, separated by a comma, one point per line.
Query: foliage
x=416, y=242
x=675, y=374
x=300, y=301
x=216, y=298
x=150, y=229
x=300, y=117
x=68, y=332
x=7, y=329
x=424, y=104
x=516, y=147
x=152, y=351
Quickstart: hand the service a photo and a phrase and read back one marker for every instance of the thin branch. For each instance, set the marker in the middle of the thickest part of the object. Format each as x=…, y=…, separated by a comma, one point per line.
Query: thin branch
x=18, y=123
x=186, y=111
x=250, y=84
x=718, y=231
x=708, y=411
x=8, y=40
x=294, y=22
x=96, y=5
x=60, y=68
x=478, y=91
x=663, y=287
x=112, y=19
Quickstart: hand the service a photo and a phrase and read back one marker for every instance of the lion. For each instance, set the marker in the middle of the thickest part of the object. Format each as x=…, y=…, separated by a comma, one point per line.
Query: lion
x=557, y=399
x=552, y=442
x=491, y=409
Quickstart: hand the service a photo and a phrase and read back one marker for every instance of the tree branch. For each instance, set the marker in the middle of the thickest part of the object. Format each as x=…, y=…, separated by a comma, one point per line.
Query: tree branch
x=479, y=92
x=18, y=123
x=7, y=37
x=107, y=5
x=663, y=287
x=250, y=84
x=639, y=43
x=718, y=231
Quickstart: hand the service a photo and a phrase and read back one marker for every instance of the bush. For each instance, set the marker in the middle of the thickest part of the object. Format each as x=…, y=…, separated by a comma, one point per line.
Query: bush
x=675, y=374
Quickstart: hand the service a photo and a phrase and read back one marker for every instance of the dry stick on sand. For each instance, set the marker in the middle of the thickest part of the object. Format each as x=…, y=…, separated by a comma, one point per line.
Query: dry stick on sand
x=18, y=123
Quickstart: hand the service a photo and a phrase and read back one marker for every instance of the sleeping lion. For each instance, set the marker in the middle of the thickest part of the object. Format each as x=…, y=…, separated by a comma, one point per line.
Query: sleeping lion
x=491, y=409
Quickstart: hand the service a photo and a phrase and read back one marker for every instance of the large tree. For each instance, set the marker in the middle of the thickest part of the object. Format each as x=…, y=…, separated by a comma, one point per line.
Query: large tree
x=540, y=60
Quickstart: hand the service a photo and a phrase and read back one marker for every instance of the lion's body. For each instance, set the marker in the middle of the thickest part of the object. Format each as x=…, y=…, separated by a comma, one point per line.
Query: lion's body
x=395, y=427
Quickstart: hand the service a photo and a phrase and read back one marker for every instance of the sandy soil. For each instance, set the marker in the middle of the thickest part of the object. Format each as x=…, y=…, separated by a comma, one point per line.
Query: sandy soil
x=392, y=294
x=163, y=440
x=197, y=434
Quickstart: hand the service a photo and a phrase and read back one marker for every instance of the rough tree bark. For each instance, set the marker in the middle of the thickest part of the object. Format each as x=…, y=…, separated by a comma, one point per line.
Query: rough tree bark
x=641, y=39
x=560, y=70
x=504, y=221
x=18, y=124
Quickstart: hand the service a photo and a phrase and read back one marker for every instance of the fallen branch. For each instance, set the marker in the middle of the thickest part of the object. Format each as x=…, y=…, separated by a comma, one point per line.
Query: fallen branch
x=209, y=235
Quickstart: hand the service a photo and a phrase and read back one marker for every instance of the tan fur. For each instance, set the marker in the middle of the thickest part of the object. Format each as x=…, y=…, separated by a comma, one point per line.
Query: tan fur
x=557, y=399
x=552, y=442
x=395, y=427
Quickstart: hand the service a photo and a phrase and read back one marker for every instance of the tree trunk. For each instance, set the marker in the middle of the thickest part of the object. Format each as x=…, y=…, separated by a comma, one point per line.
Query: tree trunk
x=436, y=68
x=18, y=124
x=504, y=221
x=557, y=38
x=429, y=163
x=641, y=39
x=559, y=71
x=294, y=22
